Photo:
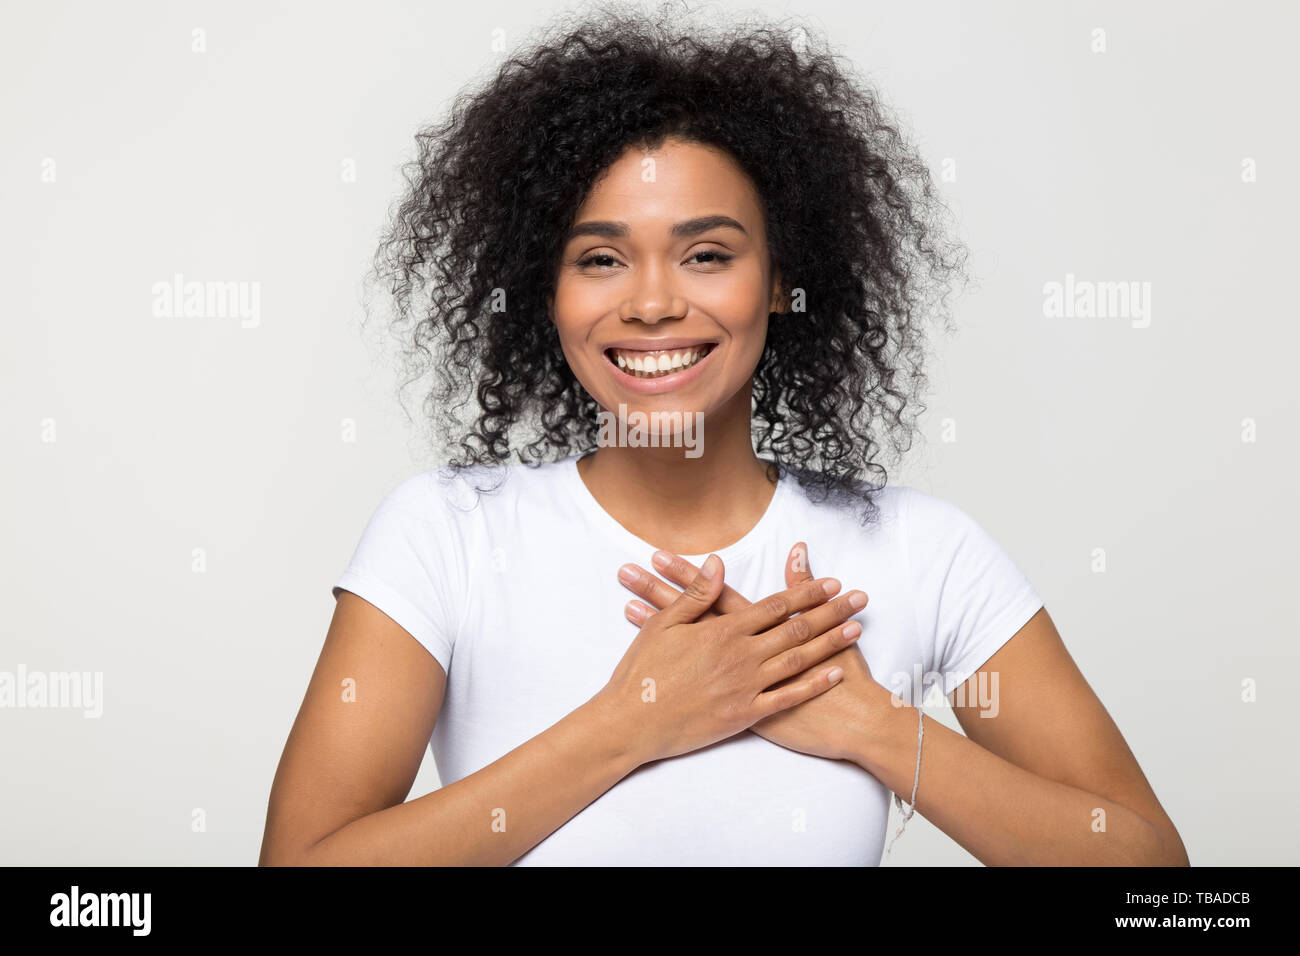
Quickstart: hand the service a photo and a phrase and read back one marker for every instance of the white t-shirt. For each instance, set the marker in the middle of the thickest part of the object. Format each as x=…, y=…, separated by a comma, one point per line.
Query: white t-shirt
x=519, y=600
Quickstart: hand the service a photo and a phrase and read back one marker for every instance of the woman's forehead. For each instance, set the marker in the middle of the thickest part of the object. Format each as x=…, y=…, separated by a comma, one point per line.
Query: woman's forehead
x=663, y=189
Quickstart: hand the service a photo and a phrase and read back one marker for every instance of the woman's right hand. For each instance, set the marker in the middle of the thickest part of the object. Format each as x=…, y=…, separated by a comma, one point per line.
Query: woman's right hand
x=687, y=683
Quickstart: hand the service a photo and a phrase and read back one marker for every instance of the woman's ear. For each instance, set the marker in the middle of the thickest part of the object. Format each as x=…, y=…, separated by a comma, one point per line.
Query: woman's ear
x=780, y=302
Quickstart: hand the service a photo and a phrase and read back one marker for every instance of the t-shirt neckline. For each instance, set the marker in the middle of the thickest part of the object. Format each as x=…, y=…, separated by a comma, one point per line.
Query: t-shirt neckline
x=602, y=519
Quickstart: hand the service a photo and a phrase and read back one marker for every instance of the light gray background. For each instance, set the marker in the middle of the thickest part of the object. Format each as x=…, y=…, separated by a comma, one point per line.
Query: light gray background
x=175, y=434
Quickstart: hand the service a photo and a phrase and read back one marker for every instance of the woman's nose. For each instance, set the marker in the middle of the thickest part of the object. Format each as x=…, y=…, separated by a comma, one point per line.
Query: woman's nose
x=654, y=297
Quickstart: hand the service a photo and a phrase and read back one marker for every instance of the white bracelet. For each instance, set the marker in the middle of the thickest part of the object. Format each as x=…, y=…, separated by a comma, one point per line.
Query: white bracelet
x=920, y=733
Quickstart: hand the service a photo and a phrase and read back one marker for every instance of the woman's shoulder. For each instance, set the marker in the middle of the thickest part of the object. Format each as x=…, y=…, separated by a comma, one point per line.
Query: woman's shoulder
x=913, y=518
x=447, y=492
x=931, y=515
x=870, y=506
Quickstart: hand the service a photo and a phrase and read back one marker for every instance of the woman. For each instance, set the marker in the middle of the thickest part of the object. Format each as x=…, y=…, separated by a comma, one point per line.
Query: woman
x=668, y=253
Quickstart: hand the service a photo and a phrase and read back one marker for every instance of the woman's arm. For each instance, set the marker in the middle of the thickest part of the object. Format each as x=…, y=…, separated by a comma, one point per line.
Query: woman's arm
x=1026, y=784
x=338, y=794
x=1024, y=787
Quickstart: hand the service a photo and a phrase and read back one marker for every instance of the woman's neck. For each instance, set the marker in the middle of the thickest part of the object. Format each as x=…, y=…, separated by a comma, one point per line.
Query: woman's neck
x=685, y=505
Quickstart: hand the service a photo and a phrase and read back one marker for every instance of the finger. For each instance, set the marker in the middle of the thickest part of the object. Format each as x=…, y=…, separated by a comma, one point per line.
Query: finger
x=637, y=612
x=680, y=571
x=698, y=596
x=797, y=568
x=803, y=627
x=657, y=594
x=796, y=692
x=775, y=608
x=803, y=656
x=645, y=585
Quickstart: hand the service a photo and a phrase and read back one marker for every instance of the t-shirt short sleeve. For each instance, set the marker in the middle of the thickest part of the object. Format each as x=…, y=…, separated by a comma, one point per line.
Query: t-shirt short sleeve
x=405, y=564
x=970, y=597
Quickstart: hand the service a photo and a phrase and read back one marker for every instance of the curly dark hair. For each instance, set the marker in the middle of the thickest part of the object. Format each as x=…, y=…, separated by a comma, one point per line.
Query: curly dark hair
x=850, y=214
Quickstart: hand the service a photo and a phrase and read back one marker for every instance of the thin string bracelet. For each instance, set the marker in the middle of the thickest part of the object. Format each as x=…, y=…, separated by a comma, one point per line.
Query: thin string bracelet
x=920, y=734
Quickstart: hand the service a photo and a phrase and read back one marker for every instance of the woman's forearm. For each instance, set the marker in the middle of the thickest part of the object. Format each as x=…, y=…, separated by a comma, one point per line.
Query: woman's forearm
x=1001, y=813
x=495, y=815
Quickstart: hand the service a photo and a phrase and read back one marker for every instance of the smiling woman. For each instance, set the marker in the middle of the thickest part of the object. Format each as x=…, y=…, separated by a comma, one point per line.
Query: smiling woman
x=697, y=226
x=639, y=283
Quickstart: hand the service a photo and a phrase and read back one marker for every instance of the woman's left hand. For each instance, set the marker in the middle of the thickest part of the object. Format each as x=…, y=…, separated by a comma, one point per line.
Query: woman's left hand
x=824, y=726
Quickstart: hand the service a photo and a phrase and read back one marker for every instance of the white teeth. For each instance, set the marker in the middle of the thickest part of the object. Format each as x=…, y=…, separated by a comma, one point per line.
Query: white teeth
x=649, y=366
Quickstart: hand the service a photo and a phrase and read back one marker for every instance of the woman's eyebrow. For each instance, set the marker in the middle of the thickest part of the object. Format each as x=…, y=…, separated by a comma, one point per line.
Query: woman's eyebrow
x=615, y=230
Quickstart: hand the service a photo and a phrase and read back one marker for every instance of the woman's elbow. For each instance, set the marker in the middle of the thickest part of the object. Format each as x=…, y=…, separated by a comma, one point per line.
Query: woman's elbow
x=1168, y=848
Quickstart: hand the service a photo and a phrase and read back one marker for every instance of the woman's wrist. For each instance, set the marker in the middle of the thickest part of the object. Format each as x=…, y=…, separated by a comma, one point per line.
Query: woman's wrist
x=882, y=720
x=620, y=734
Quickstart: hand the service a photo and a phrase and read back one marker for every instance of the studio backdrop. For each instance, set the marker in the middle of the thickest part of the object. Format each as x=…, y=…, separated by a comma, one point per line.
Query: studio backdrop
x=185, y=477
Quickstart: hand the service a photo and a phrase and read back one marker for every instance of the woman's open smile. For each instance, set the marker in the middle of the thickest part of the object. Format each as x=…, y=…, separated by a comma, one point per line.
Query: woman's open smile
x=651, y=368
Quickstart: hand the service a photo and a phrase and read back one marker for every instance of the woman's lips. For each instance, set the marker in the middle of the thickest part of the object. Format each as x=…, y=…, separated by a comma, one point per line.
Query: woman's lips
x=661, y=383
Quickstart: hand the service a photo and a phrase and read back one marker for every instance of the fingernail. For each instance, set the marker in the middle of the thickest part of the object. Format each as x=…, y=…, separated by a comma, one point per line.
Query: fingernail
x=627, y=574
x=835, y=673
x=710, y=567
x=662, y=559
x=858, y=600
x=852, y=630
x=830, y=586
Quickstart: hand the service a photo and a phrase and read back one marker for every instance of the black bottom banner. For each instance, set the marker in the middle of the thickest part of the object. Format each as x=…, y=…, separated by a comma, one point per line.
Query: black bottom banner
x=215, y=905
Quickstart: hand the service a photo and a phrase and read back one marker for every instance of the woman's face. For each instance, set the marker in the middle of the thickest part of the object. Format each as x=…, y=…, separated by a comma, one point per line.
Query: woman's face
x=666, y=268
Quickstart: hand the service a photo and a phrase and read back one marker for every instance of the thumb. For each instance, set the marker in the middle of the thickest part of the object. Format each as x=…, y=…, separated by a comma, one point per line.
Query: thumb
x=704, y=589
x=797, y=568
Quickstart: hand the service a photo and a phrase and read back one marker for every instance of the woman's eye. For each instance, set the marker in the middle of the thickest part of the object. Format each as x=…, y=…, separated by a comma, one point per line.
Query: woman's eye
x=720, y=258
x=704, y=257
x=603, y=258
